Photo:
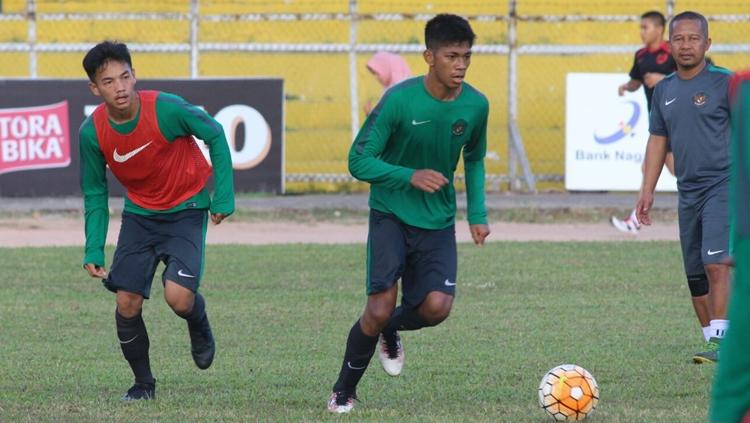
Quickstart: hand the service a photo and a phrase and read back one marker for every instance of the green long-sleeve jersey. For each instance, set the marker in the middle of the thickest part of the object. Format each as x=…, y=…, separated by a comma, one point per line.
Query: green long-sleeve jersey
x=176, y=118
x=410, y=130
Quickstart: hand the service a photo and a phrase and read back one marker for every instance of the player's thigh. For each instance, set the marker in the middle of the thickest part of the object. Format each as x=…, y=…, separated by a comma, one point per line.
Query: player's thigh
x=715, y=218
x=386, y=251
x=182, y=247
x=691, y=239
x=135, y=259
x=432, y=265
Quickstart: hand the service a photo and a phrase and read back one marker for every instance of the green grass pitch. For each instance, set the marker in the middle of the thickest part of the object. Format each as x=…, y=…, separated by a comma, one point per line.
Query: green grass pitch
x=281, y=314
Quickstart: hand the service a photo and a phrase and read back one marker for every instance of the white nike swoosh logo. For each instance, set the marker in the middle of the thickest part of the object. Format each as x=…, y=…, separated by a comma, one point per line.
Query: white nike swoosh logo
x=184, y=275
x=127, y=342
x=668, y=102
x=349, y=363
x=449, y=283
x=713, y=253
x=415, y=123
x=125, y=157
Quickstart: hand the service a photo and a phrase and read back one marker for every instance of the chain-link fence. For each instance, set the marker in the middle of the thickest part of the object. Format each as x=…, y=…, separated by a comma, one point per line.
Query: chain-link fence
x=319, y=47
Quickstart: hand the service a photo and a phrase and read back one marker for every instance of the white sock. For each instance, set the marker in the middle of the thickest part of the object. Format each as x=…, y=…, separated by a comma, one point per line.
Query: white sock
x=719, y=328
x=706, y=333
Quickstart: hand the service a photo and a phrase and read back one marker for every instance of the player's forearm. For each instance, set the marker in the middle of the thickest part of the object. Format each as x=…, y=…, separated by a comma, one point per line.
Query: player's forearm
x=656, y=153
x=633, y=85
x=221, y=159
x=96, y=223
x=474, y=172
x=378, y=172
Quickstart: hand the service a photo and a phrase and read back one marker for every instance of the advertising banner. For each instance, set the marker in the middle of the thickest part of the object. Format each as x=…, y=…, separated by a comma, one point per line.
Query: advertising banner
x=606, y=135
x=39, y=121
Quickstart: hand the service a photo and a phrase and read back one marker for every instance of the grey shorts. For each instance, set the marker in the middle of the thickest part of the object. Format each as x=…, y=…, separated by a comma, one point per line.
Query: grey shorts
x=704, y=229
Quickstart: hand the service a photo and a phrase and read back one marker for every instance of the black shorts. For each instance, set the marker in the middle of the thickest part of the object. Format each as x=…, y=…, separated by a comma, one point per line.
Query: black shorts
x=177, y=239
x=425, y=260
x=704, y=229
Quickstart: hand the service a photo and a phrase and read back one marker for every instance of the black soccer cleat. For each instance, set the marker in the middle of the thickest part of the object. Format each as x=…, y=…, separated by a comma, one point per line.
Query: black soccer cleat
x=202, y=344
x=141, y=392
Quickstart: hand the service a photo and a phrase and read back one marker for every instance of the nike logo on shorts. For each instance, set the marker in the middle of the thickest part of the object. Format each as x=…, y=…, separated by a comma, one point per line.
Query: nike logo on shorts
x=449, y=283
x=127, y=156
x=183, y=274
x=713, y=253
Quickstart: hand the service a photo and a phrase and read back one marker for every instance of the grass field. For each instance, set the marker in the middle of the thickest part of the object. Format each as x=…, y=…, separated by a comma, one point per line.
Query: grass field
x=281, y=314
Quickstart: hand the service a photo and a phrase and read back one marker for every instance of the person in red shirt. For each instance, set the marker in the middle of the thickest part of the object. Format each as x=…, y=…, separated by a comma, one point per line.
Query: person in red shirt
x=650, y=65
x=146, y=140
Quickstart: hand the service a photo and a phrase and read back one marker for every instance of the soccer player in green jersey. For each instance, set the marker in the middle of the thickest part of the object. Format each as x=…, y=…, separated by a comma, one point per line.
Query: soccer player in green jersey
x=729, y=399
x=146, y=140
x=408, y=149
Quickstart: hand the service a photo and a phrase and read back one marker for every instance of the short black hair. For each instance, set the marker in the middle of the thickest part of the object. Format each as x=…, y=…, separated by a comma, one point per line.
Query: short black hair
x=445, y=29
x=690, y=16
x=104, y=52
x=656, y=17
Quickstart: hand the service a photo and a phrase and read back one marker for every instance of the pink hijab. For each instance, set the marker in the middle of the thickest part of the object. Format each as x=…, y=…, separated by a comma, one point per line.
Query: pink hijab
x=390, y=68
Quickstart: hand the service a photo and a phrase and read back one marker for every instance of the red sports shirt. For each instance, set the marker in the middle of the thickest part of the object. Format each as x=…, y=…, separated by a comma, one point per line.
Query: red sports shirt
x=157, y=174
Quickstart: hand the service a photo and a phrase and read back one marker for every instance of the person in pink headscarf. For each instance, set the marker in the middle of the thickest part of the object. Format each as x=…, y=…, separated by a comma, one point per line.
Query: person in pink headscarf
x=389, y=69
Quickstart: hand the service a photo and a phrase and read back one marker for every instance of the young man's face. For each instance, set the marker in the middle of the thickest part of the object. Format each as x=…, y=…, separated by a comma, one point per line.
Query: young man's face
x=449, y=63
x=688, y=43
x=115, y=83
x=650, y=31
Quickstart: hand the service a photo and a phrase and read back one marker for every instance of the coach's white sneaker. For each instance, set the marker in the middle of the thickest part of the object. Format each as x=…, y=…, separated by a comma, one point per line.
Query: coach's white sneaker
x=391, y=354
x=626, y=225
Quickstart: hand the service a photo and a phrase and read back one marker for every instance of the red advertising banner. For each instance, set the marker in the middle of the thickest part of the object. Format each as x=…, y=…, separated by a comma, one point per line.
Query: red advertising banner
x=34, y=137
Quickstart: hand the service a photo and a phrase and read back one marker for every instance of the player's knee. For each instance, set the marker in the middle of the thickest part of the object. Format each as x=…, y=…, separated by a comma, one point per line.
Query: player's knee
x=436, y=308
x=436, y=316
x=129, y=306
x=180, y=304
x=717, y=271
x=377, y=316
x=698, y=285
x=180, y=299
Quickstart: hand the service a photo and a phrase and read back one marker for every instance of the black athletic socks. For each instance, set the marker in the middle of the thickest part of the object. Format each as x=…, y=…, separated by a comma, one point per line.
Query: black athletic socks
x=134, y=343
x=405, y=319
x=198, y=314
x=359, y=351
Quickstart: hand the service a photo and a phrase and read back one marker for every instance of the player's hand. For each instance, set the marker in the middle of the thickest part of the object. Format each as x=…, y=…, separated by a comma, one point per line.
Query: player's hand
x=218, y=217
x=652, y=78
x=428, y=180
x=643, y=207
x=621, y=89
x=95, y=271
x=479, y=233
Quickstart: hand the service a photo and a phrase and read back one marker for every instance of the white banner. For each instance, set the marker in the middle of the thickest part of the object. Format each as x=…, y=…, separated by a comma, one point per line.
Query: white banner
x=606, y=135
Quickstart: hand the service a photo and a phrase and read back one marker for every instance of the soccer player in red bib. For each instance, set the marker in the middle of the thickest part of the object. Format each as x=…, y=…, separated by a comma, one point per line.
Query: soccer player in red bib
x=146, y=140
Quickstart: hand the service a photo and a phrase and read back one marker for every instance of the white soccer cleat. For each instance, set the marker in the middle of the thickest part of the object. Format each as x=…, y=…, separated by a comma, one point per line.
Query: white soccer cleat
x=392, y=358
x=341, y=402
x=626, y=225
